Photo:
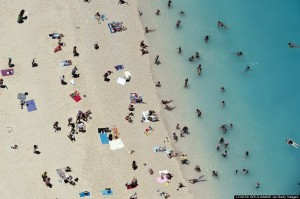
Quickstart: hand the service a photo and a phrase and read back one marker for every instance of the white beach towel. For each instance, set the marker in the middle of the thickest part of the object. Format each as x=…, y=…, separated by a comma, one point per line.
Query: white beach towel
x=145, y=115
x=121, y=81
x=127, y=74
x=116, y=144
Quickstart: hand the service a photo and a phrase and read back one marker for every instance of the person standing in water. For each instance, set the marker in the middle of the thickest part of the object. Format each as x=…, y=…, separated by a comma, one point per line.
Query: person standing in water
x=206, y=38
x=246, y=154
x=169, y=3
x=179, y=50
x=186, y=82
x=178, y=23
x=198, y=112
x=199, y=68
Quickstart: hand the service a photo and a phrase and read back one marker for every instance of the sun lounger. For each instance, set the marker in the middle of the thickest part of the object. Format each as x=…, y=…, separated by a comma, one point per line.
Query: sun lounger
x=7, y=72
x=85, y=193
x=107, y=192
x=31, y=106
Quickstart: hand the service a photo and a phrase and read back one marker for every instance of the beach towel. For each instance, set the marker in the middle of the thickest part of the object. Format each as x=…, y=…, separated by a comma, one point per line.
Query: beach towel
x=31, y=105
x=21, y=96
x=107, y=192
x=121, y=81
x=127, y=74
x=85, y=193
x=61, y=174
x=162, y=180
x=76, y=97
x=116, y=144
x=116, y=27
x=145, y=116
x=103, y=138
x=119, y=67
x=7, y=72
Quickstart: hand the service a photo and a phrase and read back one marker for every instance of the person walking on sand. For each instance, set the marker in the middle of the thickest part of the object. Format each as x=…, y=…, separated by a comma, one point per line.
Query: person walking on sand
x=199, y=68
x=177, y=127
x=10, y=65
x=157, y=60
x=140, y=13
x=175, y=137
x=75, y=53
x=178, y=23
x=157, y=12
x=186, y=81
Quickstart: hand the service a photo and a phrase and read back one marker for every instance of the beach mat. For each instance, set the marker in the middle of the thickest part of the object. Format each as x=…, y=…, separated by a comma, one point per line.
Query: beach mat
x=21, y=96
x=85, y=193
x=76, y=98
x=162, y=180
x=31, y=106
x=103, y=138
x=116, y=144
x=107, y=192
x=106, y=129
x=121, y=81
x=119, y=67
x=145, y=115
x=7, y=72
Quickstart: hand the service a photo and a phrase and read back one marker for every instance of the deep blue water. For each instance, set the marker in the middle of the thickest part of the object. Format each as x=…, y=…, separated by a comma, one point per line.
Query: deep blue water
x=263, y=104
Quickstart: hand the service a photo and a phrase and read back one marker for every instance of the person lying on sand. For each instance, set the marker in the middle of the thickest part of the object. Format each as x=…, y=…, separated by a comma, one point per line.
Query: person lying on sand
x=144, y=51
x=169, y=108
x=166, y=101
x=147, y=30
x=122, y=2
x=195, y=180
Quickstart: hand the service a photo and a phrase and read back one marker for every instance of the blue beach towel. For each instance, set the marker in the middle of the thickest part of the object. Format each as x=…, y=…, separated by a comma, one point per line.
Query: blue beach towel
x=107, y=192
x=85, y=193
x=31, y=105
x=103, y=138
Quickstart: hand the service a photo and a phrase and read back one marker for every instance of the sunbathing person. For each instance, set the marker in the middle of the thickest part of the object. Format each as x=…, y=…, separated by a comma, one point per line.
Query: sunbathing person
x=143, y=45
x=147, y=30
x=66, y=62
x=130, y=107
x=56, y=36
x=195, y=180
x=166, y=101
x=128, y=118
x=151, y=113
x=161, y=149
x=153, y=119
x=169, y=108
x=144, y=51
x=172, y=154
x=122, y=2
x=133, y=183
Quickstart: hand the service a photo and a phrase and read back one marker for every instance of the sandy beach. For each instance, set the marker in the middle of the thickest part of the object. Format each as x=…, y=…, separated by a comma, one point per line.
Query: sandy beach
x=94, y=164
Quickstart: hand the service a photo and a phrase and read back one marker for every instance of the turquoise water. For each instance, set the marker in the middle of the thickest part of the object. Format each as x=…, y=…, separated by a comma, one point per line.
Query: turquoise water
x=263, y=104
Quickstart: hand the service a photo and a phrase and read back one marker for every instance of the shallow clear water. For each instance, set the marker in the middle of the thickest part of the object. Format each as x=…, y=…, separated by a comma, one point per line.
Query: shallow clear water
x=263, y=104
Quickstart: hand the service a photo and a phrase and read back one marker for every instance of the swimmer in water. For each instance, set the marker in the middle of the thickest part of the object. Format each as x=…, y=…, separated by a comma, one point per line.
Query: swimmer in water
x=239, y=54
x=246, y=154
x=292, y=143
x=293, y=45
x=182, y=12
x=222, y=25
x=206, y=38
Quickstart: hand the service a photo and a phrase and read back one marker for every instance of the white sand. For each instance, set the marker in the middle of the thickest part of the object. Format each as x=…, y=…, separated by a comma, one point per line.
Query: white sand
x=96, y=166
